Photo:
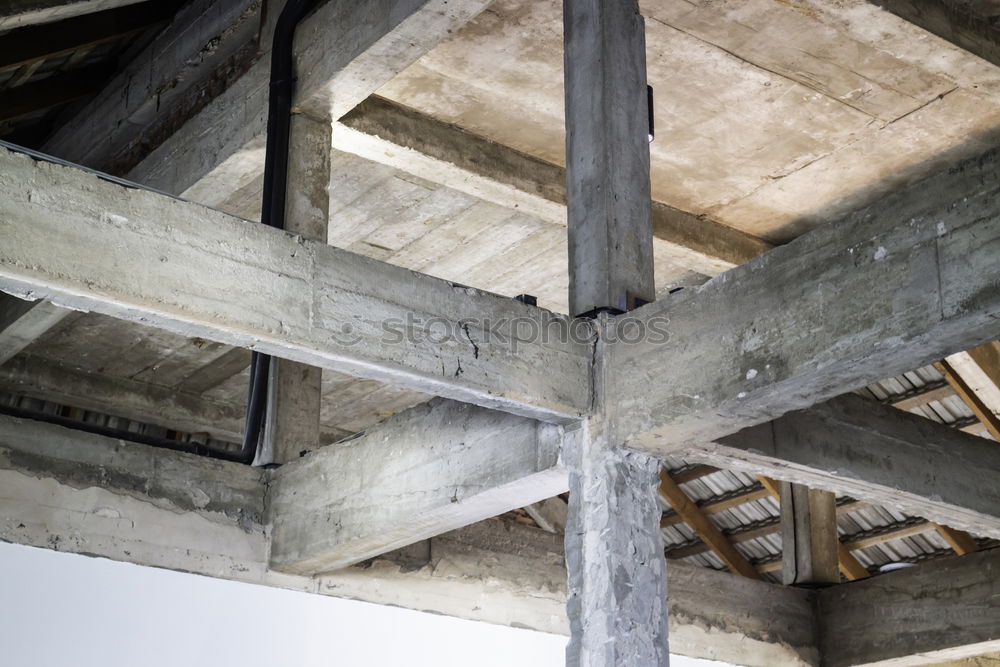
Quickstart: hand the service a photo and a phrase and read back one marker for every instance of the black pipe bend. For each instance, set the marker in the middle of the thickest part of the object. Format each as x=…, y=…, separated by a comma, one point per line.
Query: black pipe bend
x=279, y=121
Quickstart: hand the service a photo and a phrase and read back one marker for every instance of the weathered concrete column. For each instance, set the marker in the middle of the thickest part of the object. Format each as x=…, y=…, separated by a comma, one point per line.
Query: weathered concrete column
x=292, y=422
x=617, y=602
x=607, y=156
x=614, y=551
x=808, y=536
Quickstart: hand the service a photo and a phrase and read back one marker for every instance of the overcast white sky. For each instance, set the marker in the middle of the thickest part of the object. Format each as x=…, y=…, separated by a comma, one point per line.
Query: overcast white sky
x=59, y=609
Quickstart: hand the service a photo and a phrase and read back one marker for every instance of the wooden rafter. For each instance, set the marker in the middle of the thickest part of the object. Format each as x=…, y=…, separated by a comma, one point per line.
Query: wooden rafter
x=959, y=540
x=695, y=517
x=970, y=397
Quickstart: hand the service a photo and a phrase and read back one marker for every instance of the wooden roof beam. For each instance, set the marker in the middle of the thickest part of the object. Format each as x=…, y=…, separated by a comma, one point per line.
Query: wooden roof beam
x=674, y=495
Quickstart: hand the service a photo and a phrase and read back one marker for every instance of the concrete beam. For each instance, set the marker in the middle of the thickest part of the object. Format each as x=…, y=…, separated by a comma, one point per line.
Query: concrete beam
x=219, y=492
x=968, y=24
x=943, y=610
x=433, y=468
x=86, y=494
x=199, y=272
x=139, y=401
x=292, y=419
x=916, y=279
x=550, y=514
x=22, y=322
x=348, y=50
x=607, y=156
x=384, y=132
x=207, y=43
x=22, y=13
x=875, y=453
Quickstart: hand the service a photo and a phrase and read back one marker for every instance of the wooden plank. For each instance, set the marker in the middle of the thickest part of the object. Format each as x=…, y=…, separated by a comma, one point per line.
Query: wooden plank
x=198, y=272
x=849, y=566
x=959, y=540
x=720, y=505
x=693, y=515
x=972, y=399
x=880, y=536
x=923, y=398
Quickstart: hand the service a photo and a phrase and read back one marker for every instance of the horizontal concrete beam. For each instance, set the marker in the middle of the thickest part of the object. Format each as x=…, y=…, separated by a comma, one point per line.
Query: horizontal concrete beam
x=199, y=272
x=22, y=322
x=968, y=24
x=892, y=287
x=122, y=397
x=876, y=453
x=384, y=132
x=346, y=50
x=216, y=491
x=22, y=13
x=206, y=44
x=943, y=610
x=87, y=494
x=433, y=468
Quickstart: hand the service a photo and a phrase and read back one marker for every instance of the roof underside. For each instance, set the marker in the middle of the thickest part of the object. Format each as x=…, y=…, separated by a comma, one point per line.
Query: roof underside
x=771, y=117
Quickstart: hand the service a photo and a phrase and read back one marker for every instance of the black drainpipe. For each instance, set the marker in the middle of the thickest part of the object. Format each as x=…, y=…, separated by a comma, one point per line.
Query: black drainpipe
x=279, y=118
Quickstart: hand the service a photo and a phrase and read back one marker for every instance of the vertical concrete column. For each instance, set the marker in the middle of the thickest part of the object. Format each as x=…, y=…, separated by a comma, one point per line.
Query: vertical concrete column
x=293, y=406
x=614, y=550
x=617, y=602
x=809, y=540
x=607, y=155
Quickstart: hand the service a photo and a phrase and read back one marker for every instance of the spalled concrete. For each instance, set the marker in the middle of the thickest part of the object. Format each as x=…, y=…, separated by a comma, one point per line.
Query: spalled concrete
x=614, y=555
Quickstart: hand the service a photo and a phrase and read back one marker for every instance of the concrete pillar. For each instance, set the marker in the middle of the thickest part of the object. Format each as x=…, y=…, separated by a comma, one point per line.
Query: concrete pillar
x=607, y=156
x=617, y=603
x=809, y=541
x=292, y=421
